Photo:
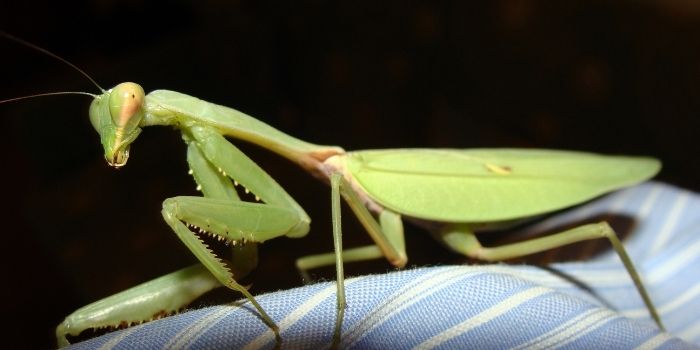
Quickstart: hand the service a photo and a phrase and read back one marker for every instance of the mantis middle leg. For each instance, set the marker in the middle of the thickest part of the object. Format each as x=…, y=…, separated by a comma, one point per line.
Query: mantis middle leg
x=387, y=234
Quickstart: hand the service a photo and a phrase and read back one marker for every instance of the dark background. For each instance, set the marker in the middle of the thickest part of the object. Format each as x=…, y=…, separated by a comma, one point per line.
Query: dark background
x=612, y=77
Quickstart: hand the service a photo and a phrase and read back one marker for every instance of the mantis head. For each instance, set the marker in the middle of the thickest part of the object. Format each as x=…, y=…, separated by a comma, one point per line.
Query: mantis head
x=116, y=116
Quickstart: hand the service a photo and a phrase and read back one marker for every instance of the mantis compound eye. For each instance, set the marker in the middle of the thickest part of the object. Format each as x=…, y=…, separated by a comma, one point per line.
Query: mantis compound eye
x=125, y=106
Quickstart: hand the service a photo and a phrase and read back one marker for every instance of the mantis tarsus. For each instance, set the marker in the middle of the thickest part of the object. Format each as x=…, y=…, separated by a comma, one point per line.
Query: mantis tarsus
x=451, y=192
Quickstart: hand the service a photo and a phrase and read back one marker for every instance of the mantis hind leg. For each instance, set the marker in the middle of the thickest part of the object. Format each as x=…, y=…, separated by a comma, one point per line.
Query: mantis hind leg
x=460, y=238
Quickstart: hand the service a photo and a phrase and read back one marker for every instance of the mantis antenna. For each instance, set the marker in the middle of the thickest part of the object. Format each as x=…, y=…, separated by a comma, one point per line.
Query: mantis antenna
x=48, y=94
x=50, y=54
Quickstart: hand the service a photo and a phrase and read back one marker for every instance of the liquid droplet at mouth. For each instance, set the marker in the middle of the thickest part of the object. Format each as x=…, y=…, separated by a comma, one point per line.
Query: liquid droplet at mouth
x=119, y=158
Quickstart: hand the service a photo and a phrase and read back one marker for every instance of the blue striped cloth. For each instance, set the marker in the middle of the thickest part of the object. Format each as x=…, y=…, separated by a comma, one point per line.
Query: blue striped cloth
x=486, y=307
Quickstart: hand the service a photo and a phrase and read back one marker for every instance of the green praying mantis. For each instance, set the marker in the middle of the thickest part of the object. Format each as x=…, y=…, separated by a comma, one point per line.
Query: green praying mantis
x=454, y=193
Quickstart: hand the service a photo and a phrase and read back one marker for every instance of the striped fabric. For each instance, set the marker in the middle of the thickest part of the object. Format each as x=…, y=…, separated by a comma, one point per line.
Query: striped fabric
x=486, y=307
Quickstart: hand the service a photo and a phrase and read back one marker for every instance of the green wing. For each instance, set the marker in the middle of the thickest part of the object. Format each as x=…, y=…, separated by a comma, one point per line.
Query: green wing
x=483, y=185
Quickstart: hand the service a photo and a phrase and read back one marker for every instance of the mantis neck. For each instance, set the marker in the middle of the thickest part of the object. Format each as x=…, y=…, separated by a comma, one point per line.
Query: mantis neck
x=163, y=107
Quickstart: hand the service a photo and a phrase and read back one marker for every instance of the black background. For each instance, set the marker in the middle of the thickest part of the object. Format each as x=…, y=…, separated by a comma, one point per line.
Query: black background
x=611, y=77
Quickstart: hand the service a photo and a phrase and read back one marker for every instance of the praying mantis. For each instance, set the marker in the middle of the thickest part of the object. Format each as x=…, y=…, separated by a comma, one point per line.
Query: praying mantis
x=452, y=193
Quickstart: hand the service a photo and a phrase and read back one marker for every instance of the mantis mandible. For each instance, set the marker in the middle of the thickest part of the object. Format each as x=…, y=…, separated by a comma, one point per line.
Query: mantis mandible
x=453, y=193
